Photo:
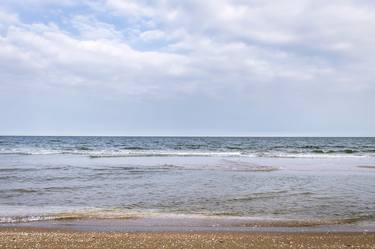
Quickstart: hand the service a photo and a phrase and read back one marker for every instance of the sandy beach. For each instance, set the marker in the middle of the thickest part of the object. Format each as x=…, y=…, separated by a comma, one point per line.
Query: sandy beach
x=46, y=238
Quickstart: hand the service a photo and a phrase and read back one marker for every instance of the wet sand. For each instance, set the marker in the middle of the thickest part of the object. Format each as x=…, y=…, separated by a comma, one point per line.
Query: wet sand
x=47, y=238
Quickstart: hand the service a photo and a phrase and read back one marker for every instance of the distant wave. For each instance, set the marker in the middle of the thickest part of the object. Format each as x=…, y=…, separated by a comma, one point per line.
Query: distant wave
x=366, y=166
x=164, y=154
x=138, y=152
x=346, y=151
x=187, y=146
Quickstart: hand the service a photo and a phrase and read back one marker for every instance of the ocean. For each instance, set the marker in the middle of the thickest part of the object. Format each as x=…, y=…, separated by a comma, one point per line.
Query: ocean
x=308, y=180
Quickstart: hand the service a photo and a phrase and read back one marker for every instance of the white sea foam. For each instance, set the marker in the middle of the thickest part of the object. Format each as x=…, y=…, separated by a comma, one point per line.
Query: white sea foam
x=143, y=218
x=177, y=153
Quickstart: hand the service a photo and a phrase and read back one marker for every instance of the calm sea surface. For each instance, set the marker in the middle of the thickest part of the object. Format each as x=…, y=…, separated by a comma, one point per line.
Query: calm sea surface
x=326, y=179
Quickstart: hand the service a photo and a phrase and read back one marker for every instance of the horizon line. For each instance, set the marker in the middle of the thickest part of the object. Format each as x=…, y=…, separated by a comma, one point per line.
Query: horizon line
x=192, y=136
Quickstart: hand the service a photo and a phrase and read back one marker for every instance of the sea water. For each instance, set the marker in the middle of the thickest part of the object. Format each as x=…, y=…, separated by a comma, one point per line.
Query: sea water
x=326, y=180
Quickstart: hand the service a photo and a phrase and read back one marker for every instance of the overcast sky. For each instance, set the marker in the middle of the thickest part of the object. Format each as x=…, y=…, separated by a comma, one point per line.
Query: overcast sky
x=193, y=67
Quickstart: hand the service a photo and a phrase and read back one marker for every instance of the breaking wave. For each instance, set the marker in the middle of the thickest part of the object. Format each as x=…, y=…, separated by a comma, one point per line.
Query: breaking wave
x=138, y=152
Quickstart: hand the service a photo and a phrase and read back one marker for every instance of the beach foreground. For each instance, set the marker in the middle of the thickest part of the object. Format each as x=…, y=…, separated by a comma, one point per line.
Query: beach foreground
x=42, y=238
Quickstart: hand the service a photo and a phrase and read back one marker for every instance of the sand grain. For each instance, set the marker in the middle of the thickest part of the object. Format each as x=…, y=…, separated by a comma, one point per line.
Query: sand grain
x=35, y=239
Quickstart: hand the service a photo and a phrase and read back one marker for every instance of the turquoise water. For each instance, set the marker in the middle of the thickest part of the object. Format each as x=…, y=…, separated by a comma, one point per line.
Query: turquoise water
x=322, y=179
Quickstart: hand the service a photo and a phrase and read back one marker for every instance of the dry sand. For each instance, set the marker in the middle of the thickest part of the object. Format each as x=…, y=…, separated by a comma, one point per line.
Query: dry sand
x=40, y=238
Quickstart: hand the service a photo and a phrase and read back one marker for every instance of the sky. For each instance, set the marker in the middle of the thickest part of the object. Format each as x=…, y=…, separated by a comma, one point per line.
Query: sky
x=167, y=67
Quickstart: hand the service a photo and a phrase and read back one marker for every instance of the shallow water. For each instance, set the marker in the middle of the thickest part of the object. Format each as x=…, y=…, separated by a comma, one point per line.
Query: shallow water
x=44, y=178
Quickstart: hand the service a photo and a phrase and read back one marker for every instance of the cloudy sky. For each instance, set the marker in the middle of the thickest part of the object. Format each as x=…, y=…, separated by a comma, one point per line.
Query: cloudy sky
x=165, y=67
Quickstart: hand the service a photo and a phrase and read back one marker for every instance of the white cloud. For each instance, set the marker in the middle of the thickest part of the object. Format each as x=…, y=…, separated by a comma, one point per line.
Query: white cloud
x=91, y=29
x=45, y=55
x=273, y=60
x=36, y=3
x=152, y=35
x=202, y=45
x=129, y=8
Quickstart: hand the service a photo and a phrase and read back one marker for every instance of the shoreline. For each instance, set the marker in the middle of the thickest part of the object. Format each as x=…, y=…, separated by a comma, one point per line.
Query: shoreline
x=52, y=238
x=195, y=224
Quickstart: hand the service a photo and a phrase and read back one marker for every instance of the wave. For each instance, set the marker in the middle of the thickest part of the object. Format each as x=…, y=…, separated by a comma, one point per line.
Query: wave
x=133, y=148
x=366, y=166
x=230, y=152
x=19, y=190
x=346, y=151
x=164, y=154
x=92, y=213
x=224, y=165
x=222, y=218
x=4, y=170
x=266, y=195
x=84, y=148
